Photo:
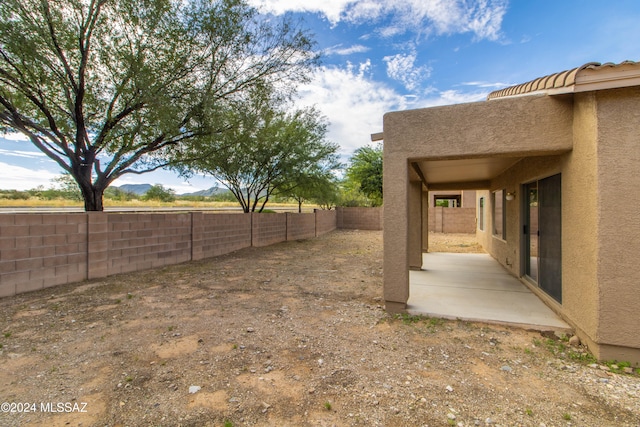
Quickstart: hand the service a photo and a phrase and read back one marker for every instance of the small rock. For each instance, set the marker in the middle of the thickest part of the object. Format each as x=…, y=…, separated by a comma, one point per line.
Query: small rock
x=488, y=421
x=628, y=370
x=574, y=341
x=449, y=389
x=250, y=329
x=506, y=368
x=451, y=416
x=194, y=389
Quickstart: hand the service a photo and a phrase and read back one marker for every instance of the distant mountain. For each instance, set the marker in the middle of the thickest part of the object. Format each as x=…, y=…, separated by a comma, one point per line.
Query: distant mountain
x=206, y=193
x=138, y=189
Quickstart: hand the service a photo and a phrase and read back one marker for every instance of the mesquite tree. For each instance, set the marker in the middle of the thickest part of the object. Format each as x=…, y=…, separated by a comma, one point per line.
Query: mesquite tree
x=268, y=151
x=110, y=87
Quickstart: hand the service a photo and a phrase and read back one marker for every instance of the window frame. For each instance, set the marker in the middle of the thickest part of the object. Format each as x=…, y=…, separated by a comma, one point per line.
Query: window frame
x=499, y=213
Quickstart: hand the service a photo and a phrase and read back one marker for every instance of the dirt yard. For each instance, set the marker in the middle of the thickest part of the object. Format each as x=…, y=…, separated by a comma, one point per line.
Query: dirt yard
x=289, y=335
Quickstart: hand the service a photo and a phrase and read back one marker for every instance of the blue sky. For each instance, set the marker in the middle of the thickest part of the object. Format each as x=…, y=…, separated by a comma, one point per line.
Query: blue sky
x=389, y=55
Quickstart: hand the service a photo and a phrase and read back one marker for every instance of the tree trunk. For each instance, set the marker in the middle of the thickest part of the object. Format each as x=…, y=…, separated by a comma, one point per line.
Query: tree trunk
x=93, y=198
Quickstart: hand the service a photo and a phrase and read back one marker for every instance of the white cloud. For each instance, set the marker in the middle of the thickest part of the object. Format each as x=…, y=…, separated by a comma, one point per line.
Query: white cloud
x=339, y=50
x=483, y=18
x=487, y=85
x=15, y=136
x=25, y=154
x=353, y=103
x=450, y=97
x=331, y=9
x=18, y=178
x=401, y=67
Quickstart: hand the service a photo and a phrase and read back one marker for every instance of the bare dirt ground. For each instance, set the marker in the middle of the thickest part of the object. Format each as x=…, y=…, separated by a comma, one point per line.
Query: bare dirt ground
x=289, y=335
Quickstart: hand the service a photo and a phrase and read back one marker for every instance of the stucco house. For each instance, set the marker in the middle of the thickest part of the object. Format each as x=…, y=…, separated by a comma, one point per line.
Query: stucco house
x=555, y=164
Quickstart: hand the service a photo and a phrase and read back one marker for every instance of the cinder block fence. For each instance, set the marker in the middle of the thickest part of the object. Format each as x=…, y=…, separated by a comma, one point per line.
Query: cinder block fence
x=43, y=250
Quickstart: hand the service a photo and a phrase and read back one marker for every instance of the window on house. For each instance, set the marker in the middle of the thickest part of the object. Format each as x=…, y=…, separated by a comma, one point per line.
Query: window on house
x=499, y=214
x=481, y=214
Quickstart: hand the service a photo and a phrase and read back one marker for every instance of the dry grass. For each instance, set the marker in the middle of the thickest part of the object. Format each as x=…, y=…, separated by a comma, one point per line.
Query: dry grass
x=65, y=203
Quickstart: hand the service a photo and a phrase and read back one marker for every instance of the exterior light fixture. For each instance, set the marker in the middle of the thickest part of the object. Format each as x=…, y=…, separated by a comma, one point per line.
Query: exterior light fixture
x=510, y=196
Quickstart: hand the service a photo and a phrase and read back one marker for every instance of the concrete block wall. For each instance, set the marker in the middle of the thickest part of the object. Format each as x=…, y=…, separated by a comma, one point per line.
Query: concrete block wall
x=360, y=218
x=326, y=221
x=268, y=228
x=148, y=240
x=452, y=220
x=218, y=234
x=301, y=226
x=42, y=250
x=38, y=251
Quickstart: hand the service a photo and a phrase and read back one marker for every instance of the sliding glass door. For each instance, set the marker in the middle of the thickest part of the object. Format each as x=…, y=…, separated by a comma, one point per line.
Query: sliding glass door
x=543, y=234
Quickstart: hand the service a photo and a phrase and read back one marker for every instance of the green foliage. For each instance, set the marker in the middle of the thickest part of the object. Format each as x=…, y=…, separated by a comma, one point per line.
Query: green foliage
x=365, y=173
x=159, y=193
x=68, y=187
x=14, y=195
x=106, y=88
x=268, y=151
x=351, y=196
x=320, y=188
x=117, y=194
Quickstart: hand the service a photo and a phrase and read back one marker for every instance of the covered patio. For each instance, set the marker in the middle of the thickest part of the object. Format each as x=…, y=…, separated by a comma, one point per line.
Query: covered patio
x=475, y=287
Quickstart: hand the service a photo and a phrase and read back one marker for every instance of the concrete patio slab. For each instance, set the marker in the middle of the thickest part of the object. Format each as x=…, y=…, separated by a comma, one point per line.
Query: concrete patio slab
x=475, y=287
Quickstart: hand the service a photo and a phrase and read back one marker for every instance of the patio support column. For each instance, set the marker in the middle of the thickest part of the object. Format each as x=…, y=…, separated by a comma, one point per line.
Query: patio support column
x=425, y=221
x=415, y=225
x=396, y=229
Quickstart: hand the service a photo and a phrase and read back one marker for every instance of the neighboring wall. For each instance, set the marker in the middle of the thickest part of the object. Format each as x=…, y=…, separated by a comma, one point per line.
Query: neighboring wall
x=452, y=220
x=44, y=250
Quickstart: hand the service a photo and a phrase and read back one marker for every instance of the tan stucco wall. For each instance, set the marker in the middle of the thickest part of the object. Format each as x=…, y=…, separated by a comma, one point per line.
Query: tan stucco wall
x=600, y=229
x=579, y=222
x=619, y=218
x=579, y=298
x=592, y=139
x=509, y=127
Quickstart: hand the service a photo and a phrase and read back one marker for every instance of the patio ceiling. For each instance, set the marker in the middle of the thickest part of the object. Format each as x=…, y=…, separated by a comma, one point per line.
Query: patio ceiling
x=469, y=173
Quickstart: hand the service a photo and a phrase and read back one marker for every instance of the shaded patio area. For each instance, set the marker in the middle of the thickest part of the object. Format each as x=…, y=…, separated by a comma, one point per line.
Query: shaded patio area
x=475, y=287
